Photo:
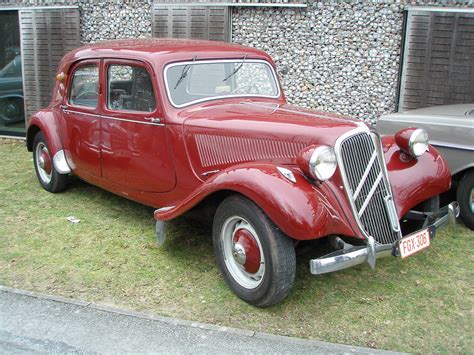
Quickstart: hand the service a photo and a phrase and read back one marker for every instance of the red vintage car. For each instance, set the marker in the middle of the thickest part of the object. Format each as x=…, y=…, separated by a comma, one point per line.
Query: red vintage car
x=181, y=125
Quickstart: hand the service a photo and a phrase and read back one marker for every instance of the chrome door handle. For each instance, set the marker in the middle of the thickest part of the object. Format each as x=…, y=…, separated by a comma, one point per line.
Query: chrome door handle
x=63, y=107
x=153, y=119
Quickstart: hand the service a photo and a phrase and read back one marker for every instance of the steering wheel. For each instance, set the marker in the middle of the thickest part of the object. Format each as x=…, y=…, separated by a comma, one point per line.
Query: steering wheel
x=85, y=94
x=240, y=88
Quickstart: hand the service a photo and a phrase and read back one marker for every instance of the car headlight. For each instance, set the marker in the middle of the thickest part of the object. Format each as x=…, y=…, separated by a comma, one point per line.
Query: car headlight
x=319, y=162
x=412, y=141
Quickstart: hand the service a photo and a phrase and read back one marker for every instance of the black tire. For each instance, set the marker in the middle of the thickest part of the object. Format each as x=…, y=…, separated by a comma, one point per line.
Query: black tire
x=54, y=181
x=279, y=259
x=464, y=195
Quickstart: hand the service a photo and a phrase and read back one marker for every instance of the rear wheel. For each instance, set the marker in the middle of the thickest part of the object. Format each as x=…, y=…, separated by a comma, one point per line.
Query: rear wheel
x=465, y=197
x=48, y=176
x=257, y=260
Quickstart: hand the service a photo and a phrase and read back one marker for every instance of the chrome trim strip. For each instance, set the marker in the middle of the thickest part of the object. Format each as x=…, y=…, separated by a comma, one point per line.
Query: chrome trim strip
x=364, y=177
x=392, y=213
x=370, y=194
x=192, y=62
x=452, y=145
x=67, y=110
x=131, y=121
x=60, y=163
x=164, y=209
x=113, y=118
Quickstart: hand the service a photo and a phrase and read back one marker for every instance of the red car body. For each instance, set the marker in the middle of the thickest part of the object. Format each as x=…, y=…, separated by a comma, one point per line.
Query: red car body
x=175, y=158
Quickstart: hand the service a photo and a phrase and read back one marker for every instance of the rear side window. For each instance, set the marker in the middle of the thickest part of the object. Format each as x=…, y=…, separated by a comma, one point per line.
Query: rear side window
x=85, y=86
x=129, y=88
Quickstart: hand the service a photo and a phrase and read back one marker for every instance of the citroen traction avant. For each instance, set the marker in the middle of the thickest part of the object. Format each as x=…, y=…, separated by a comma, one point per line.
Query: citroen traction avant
x=186, y=125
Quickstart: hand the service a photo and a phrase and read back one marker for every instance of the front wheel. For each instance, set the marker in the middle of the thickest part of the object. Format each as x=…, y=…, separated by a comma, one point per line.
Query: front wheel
x=48, y=176
x=465, y=197
x=257, y=260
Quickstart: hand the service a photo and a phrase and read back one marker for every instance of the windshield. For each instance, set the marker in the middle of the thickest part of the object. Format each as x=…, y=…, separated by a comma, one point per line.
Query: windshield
x=192, y=82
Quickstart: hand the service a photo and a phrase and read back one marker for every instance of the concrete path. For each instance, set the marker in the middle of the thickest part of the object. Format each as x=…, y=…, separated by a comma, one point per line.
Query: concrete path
x=31, y=322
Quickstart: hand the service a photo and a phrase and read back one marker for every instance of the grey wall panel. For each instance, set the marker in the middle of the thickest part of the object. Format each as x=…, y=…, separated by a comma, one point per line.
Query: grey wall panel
x=46, y=35
x=438, y=59
x=199, y=22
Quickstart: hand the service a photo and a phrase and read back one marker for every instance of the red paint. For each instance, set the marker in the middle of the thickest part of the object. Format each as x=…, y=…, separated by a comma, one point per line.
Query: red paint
x=402, y=138
x=252, y=251
x=228, y=144
x=303, y=159
x=46, y=160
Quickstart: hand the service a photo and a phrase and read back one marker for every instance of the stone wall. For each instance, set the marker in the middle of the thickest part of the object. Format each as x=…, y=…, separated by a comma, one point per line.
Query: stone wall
x=336, y=55
x=339, y=56
x=103, y=19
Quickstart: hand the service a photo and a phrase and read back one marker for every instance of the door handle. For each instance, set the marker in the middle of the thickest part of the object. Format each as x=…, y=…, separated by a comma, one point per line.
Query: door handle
x=63, y=107
x=153, y=119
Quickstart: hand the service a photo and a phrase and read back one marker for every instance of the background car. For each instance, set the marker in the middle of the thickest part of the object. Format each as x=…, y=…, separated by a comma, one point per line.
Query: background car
x=11, y=92
x=451, y=131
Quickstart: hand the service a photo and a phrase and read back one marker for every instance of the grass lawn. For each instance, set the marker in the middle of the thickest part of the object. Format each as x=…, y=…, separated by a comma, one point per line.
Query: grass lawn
x=422, y=304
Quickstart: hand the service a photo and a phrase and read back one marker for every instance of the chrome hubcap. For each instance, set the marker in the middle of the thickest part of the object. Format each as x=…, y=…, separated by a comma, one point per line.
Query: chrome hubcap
x=243, y=253
x=238, y=252
x=43, y=163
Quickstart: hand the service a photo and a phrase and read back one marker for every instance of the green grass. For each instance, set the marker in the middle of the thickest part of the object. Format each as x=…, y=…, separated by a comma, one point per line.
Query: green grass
x=422, y=304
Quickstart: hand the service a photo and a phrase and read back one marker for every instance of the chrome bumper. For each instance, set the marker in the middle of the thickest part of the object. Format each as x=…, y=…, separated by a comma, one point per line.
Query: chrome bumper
x=345, y=258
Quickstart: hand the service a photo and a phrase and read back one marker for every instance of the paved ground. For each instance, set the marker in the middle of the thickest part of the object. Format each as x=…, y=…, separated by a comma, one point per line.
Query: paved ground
x=36, y=323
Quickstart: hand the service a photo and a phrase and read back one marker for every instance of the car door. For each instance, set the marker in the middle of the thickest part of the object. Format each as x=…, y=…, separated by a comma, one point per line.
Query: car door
x=135, y=153
x=80, y=111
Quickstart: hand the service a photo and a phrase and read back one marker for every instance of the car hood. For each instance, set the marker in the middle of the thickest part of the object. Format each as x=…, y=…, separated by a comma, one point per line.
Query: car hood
x=220, y=134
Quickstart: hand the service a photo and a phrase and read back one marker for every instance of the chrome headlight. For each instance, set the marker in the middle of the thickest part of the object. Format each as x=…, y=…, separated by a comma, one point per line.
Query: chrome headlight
x=322, y=163
x=412, y=141
x=418, y=143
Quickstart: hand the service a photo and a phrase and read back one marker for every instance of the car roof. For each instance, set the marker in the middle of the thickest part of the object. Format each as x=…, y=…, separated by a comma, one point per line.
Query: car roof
x=162, y=51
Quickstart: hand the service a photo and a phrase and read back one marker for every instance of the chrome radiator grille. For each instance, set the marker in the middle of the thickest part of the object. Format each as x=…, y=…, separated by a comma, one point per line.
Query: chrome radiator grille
x=367, y=188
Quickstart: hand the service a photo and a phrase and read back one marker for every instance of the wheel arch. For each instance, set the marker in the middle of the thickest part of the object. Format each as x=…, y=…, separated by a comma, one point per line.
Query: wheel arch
x=30, y=136
x=44, y=121
x=299, y=209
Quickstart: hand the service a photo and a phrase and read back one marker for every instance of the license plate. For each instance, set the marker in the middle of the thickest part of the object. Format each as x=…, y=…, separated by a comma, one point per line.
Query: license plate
x=413, y=243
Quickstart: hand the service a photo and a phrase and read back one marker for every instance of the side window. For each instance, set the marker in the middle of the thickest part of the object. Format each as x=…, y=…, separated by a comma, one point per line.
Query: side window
x=129, y=88
x=85, y=86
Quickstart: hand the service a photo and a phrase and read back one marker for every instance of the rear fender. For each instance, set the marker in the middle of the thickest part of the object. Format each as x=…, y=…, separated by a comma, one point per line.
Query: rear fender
x=44, y=121
x=300, y=209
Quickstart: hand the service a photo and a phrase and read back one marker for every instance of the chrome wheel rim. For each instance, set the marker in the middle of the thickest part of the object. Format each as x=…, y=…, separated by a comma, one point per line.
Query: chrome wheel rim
x=472, y=200
x=243, y=253
x=41, y=165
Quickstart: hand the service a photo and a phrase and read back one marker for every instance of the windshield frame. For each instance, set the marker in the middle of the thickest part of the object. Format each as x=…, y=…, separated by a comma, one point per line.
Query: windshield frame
x=217, y=97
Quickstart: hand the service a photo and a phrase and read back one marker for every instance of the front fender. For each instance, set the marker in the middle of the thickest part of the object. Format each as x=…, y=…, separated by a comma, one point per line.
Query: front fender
x=416, y=180
x=44, y=121
x=301, y=210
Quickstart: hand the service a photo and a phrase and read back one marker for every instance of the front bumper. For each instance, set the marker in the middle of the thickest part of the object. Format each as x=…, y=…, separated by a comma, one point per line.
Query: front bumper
x=355, y=255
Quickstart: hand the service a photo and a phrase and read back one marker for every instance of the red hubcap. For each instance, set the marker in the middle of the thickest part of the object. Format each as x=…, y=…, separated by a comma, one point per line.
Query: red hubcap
x=246, y=240
x=46, y=161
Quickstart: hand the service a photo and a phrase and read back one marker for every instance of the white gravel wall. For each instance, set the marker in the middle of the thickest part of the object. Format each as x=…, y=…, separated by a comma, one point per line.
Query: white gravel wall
x=338, y=56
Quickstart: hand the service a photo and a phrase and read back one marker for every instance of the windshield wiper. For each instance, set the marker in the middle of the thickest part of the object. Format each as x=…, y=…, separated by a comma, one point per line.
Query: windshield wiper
x=184, y=73
x=236, y=69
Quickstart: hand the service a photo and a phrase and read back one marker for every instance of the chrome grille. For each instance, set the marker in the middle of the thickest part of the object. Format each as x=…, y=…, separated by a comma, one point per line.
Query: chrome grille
x=367, y=187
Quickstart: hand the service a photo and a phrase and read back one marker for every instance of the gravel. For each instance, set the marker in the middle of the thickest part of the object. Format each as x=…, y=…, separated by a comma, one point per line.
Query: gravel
x=336, y=55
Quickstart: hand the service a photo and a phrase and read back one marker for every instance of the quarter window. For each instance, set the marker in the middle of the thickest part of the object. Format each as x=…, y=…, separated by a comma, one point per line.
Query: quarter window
x=129, y=89
x=85, y=86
